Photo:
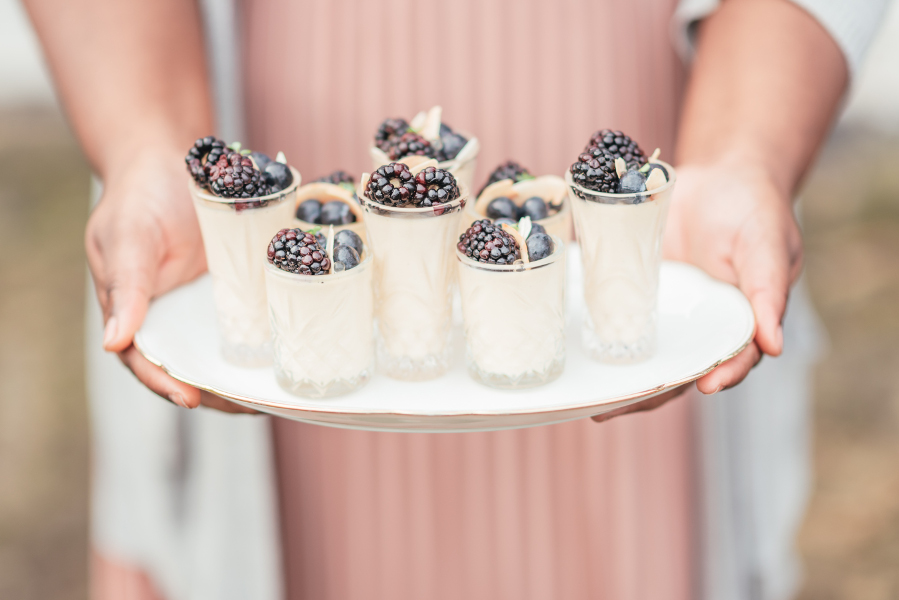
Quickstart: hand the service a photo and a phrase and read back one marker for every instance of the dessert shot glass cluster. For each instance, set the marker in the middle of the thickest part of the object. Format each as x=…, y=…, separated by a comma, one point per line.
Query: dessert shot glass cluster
x=512, y=287
x=512, y=192
x=240, y=198
x=321, y=311
x=620, y=200
x=412, y=219
x=426, y=137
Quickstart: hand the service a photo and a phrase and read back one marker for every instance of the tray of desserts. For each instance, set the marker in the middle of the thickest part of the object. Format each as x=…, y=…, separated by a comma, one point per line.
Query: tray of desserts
x=402, y=302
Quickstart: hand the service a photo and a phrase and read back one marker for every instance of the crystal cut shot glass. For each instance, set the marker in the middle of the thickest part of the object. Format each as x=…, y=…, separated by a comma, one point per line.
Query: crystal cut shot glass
x=413, y=281
x=235, y=235
x=514, y=320
x=620, y=237
x=322, y=329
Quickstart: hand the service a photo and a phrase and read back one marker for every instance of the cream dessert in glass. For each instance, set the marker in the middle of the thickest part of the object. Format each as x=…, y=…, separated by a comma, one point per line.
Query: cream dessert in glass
x=513, y=304
x=330, y=200
x=429, y=137
x=236, y=224
x=512, y=193
x=412, y=220
x=321, y=309
x=620, y=202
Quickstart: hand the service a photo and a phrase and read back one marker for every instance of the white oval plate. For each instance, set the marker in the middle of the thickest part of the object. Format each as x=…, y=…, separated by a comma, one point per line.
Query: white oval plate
x=702, y=323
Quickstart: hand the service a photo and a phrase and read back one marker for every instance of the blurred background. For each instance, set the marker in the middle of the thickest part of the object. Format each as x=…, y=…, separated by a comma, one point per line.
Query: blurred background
x=850, y=539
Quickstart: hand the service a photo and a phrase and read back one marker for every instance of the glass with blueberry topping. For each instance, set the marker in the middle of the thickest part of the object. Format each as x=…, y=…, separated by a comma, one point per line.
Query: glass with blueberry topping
x=512, y=287
x=620, y=200
x=240, y=197
x=321, y=311
x=323, y=203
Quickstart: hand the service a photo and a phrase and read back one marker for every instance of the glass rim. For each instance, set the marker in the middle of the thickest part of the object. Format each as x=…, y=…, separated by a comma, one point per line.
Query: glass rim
x=672, y=177
x=543, y=262
x=198, y=192
x=455, y=205
x=300, y=278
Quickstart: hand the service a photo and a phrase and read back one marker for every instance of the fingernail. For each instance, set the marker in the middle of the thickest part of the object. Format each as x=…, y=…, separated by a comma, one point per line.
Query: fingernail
x=110, y=332
x=178, y=399
x=717, y=389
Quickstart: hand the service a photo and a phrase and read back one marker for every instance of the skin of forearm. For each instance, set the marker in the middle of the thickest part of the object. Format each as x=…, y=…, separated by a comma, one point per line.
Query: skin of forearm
x=765, y=87
x=130, y=73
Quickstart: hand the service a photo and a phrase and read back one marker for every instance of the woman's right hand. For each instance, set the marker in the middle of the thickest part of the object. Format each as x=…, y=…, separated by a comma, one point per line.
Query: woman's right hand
x=143, y=240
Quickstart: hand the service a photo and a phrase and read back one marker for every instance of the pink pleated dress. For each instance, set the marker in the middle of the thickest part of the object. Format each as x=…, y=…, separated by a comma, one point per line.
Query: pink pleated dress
x=573, y=511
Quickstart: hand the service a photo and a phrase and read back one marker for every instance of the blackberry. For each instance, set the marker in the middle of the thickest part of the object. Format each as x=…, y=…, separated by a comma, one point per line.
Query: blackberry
x=434, y=186
x=295, y=251
x=234, y=176
x=205, y=151
x=508, y=170
x=488, y=243
x=619, y=146
x=391, y=185
x=337, y=177
x=595, y=170
x=388, y=130
x=410, y=144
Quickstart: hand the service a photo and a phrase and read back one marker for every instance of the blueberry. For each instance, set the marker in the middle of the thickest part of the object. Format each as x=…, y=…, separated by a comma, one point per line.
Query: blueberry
x=653, y=167
x=310, y=211
x=261, y=160
x=445, y=130
x=322, y=240
x=504, y=221
x=336, y=212
x=535, y=229
x=502, y=208
x=452, y=144
x=345, y=256
x=535, y=208
x=633, y=182
x=346, y=237
x=540, y=246
x=278, y=176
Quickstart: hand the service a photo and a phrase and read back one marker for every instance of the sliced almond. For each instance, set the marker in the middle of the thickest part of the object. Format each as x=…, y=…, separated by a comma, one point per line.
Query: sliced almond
x=655, y=180
x=524, y=227
x=468, y=151
x=430, y=130
x=418, y=122
x=522, y=243
x=654, y=156
x=281, y=158
x=330, y=244
x=620, y=167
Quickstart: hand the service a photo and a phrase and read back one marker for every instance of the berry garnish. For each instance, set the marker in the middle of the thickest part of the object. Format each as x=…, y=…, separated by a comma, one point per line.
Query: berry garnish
x=336, y=212
x=536, y=228
x=277, y=176
x=310, y=211
x=595, y=170
x=540, y=245
x=261, y=160
x=502, y=208
x=505, y=221
x=488, y=243
x=296, y=251
x=409, y=144
x=234, y=176
x=633, y=182
x=619, y=146
x=345, y=258
x=434, y=186
x=205, y=151
x=388, y=130
x=450, y=143
x=391, y=185
x=535, y=208
x=508, y=170
x=347, y=237
x=337, y=177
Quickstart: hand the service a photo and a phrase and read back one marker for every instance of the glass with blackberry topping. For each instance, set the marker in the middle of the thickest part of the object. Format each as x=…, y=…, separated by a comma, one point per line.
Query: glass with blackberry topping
x=412, y=220
x=320, y=306
x=511, y=193
x=620, y=202
x=240, y=197
x=329, y=200
x=425, y=137
x=512, y=286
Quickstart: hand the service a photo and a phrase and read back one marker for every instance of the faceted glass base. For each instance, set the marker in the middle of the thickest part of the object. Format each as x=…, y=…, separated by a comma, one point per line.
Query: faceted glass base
x=308, y=388
x=244, y=355
x=620, y=349
x=518, y=381
x=406, y=368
